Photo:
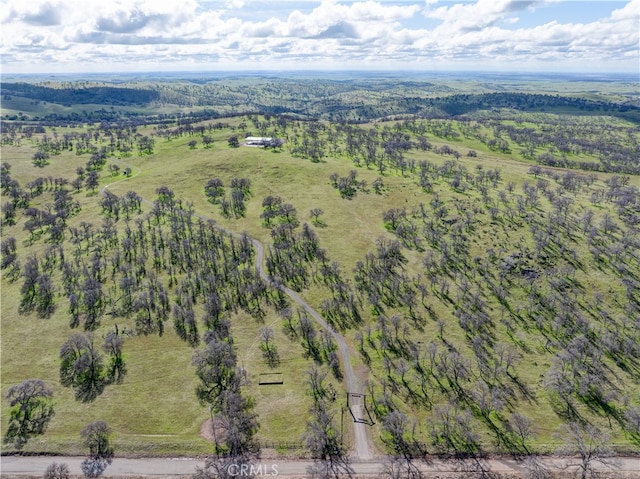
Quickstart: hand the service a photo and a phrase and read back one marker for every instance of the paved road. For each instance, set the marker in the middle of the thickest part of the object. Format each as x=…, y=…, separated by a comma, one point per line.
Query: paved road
x=361, y=440
x=16, y=466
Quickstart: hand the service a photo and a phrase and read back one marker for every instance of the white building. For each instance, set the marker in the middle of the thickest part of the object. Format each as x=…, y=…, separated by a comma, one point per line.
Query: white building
x=257, y=141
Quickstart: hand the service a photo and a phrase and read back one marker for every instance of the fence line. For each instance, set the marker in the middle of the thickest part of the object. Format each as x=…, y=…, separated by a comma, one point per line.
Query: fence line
x=282, y=445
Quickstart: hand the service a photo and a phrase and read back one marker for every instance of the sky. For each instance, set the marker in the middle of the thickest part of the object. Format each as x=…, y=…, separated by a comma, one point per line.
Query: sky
x=65, y=36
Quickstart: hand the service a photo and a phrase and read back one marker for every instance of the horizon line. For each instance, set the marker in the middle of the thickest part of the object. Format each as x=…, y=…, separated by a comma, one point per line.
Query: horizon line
x=325, y=70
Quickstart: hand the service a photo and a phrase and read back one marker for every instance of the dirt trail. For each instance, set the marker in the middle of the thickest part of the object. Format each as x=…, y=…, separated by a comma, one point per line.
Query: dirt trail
x=361, y=440
x=361, y=431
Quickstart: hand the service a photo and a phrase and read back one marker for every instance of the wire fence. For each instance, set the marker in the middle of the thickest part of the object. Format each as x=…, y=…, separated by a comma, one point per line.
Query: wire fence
x=283, y=445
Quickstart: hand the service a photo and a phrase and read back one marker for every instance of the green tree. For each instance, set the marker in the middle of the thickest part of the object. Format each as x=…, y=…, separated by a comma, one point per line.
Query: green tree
x=233, y=141
x=31, y=409
x=81, y=367
x=216, y=368
x=40, y=159
x=214, y=189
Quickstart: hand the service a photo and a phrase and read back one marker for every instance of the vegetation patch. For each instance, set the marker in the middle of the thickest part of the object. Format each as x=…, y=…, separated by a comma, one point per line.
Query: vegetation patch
x=483, y=269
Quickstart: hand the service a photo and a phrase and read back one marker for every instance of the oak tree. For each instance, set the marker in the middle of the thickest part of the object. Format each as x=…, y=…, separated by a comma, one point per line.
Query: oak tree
x=31, y=409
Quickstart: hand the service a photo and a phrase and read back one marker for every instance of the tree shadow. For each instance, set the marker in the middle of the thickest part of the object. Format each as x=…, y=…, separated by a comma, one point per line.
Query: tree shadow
x=473, y=466
x=333, y=467
x=94, y=466
x=88, y=392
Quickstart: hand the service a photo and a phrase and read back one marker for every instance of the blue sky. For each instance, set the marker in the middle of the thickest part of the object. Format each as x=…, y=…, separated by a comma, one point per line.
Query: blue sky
x=40, y=36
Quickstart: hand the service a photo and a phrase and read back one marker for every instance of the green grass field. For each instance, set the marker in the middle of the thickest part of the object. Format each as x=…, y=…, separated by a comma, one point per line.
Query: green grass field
x=155, y=411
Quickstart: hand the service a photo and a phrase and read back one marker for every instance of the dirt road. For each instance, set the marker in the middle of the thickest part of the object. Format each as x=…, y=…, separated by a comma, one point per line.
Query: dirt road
x=361, y=431
x=361, y=440
x=21, y=466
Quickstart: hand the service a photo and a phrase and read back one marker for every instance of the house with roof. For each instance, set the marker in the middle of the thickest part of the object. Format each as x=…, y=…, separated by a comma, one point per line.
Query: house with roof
x=262, y=141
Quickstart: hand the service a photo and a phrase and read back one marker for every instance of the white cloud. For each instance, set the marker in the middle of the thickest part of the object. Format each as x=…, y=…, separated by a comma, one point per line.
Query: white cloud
x=38, y=13
x=331, y=14
x=363, y=33
x=479, y=15
x=630, y=11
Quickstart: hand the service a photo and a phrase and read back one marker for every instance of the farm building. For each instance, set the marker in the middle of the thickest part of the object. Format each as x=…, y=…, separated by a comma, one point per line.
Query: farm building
x=257, y=141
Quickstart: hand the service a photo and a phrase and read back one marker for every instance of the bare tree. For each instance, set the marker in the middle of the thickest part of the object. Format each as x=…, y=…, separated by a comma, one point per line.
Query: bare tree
x=397, y=467
x=315, y=214
x=535, y=468
x=453, y=431
x=216, y=368
x=323, y=440
x=405, y=450
x=522, y=428
x=269, y=350
x=92, y=180
x=591, y=446
x=632, y=420
x=113, y=347
x=97, y=437
x=207, y=141
x=57, y=471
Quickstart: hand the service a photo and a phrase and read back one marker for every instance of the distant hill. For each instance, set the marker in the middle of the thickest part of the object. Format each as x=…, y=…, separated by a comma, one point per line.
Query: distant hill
x=456, y=105
x=351, y=101
x=107, y=95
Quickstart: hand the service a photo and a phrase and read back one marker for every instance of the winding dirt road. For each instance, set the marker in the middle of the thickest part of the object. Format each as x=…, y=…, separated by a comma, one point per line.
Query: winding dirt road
x=363, y=464
x=362, y=448
x=362, y=444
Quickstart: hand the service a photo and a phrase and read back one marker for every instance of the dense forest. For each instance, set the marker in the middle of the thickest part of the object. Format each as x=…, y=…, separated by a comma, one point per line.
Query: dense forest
x=82, y=96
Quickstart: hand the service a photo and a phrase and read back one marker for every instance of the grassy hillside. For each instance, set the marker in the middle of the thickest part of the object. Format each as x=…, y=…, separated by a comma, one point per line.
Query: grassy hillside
x=471, y=282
